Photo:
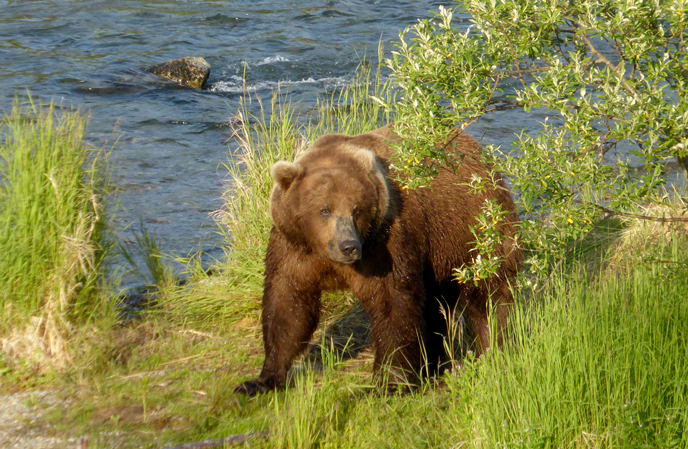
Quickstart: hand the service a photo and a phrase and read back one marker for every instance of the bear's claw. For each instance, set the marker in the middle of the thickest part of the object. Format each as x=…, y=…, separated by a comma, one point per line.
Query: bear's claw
x=252, y=388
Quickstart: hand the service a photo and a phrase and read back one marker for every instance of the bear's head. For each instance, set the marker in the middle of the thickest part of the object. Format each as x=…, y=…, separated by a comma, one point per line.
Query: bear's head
x=331, y=198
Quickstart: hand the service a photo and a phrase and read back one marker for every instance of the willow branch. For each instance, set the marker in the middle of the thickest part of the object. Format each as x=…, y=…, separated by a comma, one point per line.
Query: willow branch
x=637, y=216
x=615, y=68
x=519, y=72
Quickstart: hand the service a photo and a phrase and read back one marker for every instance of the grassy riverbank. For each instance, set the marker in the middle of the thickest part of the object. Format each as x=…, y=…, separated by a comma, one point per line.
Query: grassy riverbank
x=596, y=358
x=53, y=236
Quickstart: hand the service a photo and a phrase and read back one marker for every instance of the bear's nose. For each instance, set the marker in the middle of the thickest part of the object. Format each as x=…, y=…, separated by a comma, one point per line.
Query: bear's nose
x=351, y=248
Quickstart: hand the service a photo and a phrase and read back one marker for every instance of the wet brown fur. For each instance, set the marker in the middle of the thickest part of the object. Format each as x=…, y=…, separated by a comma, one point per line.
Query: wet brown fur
x=411, y=242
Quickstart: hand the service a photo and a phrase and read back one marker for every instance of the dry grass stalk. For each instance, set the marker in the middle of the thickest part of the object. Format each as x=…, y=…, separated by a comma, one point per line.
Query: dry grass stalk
x=643, y=237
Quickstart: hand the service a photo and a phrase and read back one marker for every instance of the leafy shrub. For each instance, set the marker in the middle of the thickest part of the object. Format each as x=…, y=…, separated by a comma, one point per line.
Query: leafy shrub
x=611, y=75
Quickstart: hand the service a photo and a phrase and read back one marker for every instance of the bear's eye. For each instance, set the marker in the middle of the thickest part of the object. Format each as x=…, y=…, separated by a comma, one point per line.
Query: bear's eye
x=355, y=212
x=325, y=211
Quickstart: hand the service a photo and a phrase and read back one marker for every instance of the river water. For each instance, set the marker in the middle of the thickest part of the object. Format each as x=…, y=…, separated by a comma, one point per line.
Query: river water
x=170, y=143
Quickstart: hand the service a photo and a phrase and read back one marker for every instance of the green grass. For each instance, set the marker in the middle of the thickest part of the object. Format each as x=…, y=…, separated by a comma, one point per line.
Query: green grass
x=53, y=240
x=593, y=363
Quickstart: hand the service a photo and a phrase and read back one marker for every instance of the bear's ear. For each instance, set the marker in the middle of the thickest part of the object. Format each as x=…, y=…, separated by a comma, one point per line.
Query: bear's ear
x=366, y=158
x=284, y=173
x=371, y=164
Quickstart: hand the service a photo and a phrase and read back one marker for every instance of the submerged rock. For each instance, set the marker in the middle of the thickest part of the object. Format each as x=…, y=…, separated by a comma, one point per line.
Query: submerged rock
x=190, y=71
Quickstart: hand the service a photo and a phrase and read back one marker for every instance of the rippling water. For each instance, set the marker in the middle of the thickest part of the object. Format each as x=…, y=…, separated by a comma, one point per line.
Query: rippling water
x=171, y=142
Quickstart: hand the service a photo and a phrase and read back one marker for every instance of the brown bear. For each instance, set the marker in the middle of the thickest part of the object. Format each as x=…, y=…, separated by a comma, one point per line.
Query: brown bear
x=342, y=222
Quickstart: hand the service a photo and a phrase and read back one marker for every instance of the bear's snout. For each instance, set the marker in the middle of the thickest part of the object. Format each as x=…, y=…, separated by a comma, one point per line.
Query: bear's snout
x=351, y=249
x=345, y=245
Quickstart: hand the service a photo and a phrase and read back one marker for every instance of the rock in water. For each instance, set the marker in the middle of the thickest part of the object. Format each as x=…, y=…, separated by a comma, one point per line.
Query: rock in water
x=190, y=71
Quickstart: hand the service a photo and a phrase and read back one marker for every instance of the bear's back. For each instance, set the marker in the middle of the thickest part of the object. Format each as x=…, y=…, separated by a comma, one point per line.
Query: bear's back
x=442, y=214
x=438, y=218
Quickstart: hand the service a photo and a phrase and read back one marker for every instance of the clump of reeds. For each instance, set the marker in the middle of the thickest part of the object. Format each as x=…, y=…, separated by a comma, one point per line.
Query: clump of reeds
x=246, y=212
x=593, y=361
x=53, y=239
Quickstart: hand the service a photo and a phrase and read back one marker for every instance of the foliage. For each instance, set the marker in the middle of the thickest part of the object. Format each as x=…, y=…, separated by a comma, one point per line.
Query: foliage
x=610, y=74
x=53, y=241
x=592, y=363
x=484, y=262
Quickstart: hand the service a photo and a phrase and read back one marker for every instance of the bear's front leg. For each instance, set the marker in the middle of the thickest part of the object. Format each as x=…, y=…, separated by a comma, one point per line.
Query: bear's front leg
x=291, y=310
x=398, y=333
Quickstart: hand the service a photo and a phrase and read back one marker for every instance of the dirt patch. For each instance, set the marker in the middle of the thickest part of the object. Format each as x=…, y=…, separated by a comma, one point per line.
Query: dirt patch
x=22, y=425
x=246, y=323
x=132, y=414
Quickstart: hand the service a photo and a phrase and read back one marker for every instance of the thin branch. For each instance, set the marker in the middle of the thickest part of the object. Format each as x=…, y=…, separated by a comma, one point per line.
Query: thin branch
x=639, y=217
x=603, y=145
x=513, y=73
x=506, y=106
x=191, y=357
x=513, y=56
x=608, y=63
